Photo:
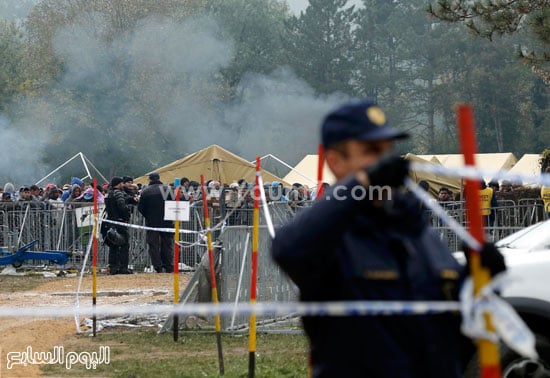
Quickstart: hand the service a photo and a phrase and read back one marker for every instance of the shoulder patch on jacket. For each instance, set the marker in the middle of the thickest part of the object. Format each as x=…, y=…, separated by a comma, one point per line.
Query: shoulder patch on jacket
x=380, y=274
x=449, y=274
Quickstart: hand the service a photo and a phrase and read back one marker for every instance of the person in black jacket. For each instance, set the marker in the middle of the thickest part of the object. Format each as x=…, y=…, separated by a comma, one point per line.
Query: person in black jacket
x=117, y=210
x=151, y=206
x=366, y=239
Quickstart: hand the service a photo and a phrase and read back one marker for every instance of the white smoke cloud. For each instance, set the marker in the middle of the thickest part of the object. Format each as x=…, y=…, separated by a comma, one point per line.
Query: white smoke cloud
x=168, y=74
x=280, y=114
x=16, y=10
x=23, y=143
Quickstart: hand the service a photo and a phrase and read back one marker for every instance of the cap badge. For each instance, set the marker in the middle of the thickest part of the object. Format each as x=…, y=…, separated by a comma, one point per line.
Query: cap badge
x=376, y=115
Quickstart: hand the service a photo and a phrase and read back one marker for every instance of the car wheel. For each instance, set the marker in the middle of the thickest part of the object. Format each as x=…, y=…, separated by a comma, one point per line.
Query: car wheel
x=17, y=264
x=515, y=366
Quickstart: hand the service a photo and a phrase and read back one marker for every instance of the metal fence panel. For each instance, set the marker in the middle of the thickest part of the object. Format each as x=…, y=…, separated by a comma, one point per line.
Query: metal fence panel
x=59, y=228
x=273, y=285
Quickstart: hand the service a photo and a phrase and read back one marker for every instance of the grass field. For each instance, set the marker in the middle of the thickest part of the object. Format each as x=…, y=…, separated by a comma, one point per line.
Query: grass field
x=141, y=352
x=133, y=351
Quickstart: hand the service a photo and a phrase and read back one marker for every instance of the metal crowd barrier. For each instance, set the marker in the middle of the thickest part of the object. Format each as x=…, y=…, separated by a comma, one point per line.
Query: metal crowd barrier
x=68, y=227
x=509, y=217
x=273, y=284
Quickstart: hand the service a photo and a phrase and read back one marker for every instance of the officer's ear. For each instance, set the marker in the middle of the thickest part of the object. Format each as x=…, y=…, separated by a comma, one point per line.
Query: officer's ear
x=336, y=158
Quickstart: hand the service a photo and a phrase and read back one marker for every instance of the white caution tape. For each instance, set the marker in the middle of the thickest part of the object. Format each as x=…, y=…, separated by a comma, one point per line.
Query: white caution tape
x=160, y=229
x=509, y=327
x=202, y=233
x=443, y=215
x=345, y=308
x=268, y=220
x=79, y=286
x=507, y=323
x=474, y=173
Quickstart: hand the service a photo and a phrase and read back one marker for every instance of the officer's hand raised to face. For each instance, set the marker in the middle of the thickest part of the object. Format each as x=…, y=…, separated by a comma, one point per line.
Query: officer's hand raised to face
x=491, y=258
x=388, y=171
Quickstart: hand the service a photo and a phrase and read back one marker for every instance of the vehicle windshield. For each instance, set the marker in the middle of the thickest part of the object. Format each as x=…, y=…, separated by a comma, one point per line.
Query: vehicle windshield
x=537, y=235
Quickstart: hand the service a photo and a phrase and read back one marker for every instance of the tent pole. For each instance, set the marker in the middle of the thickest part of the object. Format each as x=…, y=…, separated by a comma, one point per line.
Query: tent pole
x=288, y=166
x=94, y=167
x=85, y=165
x=274, y=157
x=57, y=169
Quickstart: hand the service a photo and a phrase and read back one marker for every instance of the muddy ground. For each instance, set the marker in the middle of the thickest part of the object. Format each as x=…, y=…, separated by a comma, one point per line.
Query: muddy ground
x=42, y=334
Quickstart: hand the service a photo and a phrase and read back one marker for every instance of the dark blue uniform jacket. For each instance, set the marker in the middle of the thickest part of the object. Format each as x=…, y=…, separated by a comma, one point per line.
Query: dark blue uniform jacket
x=356, y=250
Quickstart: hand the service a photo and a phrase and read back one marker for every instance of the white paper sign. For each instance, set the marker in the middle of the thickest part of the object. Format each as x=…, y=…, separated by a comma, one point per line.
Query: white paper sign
x=176, y=210
x=85, y=215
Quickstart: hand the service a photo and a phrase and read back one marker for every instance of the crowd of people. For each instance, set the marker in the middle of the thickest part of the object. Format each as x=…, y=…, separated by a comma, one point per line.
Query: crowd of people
x=496, y=188
x=228, y=197
x=48, y=196
x=489, y=194
x=232, y=194
x=121, y=197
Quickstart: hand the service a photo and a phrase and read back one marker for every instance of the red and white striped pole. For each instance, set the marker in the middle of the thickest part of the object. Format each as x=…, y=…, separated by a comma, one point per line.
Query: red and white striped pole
x=489, y=360
x=254, y=272
x=320, y=165
x=212, y=274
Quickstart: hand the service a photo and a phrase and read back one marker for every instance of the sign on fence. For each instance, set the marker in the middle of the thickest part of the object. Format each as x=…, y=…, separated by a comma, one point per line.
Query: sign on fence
x=176, y=210
x=85, y=215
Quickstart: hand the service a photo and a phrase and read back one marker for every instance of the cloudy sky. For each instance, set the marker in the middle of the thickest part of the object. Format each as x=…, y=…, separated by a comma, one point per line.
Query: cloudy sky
x=297, y=5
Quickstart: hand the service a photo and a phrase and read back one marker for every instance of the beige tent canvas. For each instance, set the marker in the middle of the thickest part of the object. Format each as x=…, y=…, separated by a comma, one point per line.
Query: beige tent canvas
x=431, y=158
x=305, y=172
x=433, y=180
x=434, y=158
x=528, y=165
x=215, y=163
x=488, y=161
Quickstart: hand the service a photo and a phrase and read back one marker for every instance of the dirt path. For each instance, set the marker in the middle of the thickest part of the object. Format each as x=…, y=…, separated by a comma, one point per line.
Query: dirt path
x=41, y=335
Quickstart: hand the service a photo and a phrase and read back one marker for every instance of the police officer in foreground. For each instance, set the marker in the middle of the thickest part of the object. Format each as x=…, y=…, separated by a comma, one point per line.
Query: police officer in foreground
x=367, y=240
x=118, y=242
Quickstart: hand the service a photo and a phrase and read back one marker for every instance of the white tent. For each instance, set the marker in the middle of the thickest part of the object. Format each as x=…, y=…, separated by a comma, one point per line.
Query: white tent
x=528, y=165
x=488, y=161
x=305, y=172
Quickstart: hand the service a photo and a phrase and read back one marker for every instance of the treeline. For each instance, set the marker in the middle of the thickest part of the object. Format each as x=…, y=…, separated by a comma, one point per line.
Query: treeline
x=136, y=84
